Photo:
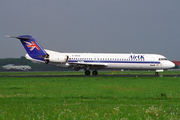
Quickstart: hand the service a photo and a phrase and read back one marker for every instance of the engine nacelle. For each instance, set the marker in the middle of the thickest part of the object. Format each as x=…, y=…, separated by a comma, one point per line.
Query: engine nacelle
x=57, y=59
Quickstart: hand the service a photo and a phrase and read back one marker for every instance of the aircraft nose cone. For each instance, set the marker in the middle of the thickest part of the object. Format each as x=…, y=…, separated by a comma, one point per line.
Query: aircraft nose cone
x=171, y=64
x=167, y=64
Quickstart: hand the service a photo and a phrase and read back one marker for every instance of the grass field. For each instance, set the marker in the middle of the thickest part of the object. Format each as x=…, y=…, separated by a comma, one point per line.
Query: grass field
x=82, y=73
x=90, y=98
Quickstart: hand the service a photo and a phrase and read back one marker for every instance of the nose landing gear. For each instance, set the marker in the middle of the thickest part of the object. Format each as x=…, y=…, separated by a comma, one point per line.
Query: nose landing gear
x=156, y=73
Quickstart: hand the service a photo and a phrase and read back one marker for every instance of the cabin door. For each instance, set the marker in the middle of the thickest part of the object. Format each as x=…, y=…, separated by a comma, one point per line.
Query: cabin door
x=152, y=62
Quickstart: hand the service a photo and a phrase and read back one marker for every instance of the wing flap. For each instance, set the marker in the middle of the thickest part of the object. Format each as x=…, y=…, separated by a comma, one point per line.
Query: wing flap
x=78, y=66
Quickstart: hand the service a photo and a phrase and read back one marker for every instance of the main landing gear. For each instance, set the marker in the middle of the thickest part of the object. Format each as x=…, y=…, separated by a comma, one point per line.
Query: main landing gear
x=87, y=72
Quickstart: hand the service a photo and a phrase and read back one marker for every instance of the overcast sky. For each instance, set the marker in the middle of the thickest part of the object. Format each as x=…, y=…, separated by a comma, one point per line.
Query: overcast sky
x=120, y=26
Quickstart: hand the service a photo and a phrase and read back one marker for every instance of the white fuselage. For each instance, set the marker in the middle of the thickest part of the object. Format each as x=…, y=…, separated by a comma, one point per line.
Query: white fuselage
x=93, y=61
x=112, y=61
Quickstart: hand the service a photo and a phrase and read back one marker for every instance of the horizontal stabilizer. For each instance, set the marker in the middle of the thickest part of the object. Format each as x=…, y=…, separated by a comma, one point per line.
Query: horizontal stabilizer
x=22, y=38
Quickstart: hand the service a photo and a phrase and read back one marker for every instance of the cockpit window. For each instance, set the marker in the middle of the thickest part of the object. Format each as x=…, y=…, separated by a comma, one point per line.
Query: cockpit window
x=160, y=59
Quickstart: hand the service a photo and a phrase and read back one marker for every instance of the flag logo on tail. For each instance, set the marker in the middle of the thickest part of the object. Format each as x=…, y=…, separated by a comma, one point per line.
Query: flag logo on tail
x=32, y=45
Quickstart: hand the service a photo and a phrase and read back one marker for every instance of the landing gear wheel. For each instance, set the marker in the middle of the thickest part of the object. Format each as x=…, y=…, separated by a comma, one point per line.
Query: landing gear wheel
x=87, y=72
x=95, y=72
x=156, y=73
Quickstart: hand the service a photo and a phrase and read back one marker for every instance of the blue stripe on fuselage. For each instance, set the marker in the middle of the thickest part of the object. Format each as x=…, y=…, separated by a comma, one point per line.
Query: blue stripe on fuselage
x=88, y=61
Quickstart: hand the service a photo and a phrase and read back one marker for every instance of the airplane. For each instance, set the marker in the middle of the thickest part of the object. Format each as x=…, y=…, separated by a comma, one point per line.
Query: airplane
x=93, y=61
x=12, y=67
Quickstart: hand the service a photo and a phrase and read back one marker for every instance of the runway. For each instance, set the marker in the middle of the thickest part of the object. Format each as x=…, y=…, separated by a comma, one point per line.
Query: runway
x=96, y=76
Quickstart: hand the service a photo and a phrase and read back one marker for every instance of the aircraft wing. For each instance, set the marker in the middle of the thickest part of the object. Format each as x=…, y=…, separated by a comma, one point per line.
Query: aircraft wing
x=78, y=66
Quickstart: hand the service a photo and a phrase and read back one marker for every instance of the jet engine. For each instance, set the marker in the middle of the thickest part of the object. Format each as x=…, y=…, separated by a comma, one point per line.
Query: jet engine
x=57, y=59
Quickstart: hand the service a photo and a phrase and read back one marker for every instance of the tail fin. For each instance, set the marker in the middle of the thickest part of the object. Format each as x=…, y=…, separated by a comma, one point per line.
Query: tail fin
x=32, y=47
